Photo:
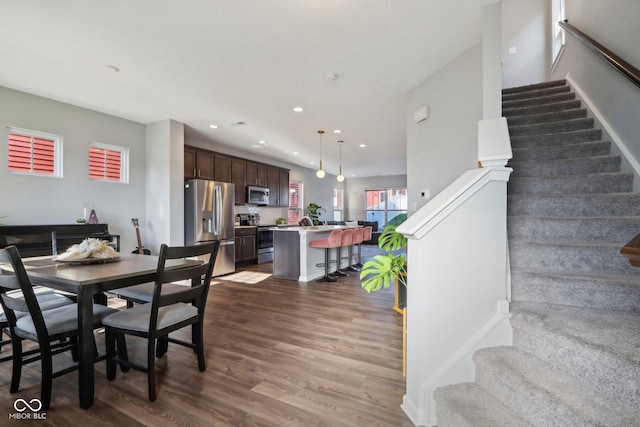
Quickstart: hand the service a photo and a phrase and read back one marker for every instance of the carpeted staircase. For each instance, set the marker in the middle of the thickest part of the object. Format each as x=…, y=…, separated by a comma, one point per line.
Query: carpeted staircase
x=575, y=359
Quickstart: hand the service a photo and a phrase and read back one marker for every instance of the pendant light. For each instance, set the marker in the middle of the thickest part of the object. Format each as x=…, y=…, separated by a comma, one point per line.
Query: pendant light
x=320, y=172
x=340, y=177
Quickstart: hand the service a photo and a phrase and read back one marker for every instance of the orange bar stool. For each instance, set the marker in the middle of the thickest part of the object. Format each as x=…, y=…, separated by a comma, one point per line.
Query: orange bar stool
x=333, y=240
x=346, y=241
x=358, y=237
x=366, y=235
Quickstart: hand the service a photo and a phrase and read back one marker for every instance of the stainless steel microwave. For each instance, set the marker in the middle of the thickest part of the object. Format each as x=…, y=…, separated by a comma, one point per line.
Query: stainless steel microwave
x=258, y=195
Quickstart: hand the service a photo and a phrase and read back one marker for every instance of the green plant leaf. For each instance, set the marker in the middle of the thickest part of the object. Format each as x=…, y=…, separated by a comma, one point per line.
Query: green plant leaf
x=391, y=240
x=381, y=272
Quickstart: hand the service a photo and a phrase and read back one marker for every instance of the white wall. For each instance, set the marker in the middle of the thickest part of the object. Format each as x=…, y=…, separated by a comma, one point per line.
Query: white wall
x=40, y=200
x=444, y=146
x=526, y=26
x=614, y=25
x=354, y=203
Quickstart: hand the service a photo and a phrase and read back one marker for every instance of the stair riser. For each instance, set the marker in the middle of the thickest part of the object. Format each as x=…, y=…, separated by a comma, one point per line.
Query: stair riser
x=573, y=259
x=579, y=206
x=547, y=117
x=538, y=101
x=571, y=151
x=541, y=109
x=615, y=377
x=534, y=87
x=535, y=94
x=556, y=139
x=580, y=166
x=574, y=230
x=588, y=184
x=554, y=127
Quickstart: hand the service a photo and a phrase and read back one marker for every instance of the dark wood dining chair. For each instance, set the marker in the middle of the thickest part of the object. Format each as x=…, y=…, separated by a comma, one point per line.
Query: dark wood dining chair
x=167, y=312
x=47, y=300
x=54, y=330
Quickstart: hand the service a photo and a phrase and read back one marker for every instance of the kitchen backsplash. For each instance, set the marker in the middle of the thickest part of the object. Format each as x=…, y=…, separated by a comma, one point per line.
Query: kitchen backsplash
x=268, y=216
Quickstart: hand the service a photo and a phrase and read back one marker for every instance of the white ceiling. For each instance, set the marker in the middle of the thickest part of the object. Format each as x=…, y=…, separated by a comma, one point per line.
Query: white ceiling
x=214, y=61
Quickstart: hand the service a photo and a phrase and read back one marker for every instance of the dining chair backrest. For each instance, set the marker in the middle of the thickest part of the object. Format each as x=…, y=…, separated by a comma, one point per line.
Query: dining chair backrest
x=26, y=301
x=200, y=276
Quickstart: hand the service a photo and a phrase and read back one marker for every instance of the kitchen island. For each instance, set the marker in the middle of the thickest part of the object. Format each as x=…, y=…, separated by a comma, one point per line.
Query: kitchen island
x=293, y=259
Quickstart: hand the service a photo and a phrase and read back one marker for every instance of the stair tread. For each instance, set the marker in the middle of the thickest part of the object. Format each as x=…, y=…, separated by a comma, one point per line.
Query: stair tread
x=534, y=86
x=548, y=393
x=519, y=150
x=614, y=332
x=476, y=407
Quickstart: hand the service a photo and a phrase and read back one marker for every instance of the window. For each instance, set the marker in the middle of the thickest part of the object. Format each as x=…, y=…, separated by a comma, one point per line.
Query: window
x=34, y=153
x=108, y=163
x=386, y=205
x=337, y=205
x=557, y=15
x=294, y=213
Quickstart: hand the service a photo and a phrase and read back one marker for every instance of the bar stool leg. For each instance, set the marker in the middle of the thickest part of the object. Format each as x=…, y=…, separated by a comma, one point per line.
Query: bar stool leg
x=350, y=267
x=359, y=265
x=338, y=272
x=326, y=277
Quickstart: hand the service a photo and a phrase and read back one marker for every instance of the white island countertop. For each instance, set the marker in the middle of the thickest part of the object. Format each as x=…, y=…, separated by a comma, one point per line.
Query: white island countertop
x=315, y=228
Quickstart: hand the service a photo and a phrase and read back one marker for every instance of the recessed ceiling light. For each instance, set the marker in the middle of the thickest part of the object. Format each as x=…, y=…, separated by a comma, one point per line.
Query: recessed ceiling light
x=298, y=109
x=312, y=163
x=337, y=131
x=213, y=126
x=295, y=153
x=262, y=141
x=256, y=146
x=362, y=145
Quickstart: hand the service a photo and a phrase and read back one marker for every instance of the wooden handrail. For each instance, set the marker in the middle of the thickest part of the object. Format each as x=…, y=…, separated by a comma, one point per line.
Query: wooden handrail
x=632, y=251
x=622, y=66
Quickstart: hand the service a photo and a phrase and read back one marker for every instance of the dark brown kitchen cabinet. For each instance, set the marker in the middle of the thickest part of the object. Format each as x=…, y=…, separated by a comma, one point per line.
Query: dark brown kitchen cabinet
x=252, y=173
x=198, y=163
x=273, y=182
x=222, y=168
x=262, y=176
x=284, y=188
x=245, y=244
x=239, y=179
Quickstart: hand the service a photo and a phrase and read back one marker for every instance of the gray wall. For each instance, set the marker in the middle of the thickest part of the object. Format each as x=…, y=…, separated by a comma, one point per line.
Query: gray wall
x=614, y=24
x=442, y=147
x=40, y=200
x=526, y=25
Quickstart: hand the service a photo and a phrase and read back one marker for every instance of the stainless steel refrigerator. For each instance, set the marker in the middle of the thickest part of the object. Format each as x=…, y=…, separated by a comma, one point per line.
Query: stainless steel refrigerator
x=208, y=215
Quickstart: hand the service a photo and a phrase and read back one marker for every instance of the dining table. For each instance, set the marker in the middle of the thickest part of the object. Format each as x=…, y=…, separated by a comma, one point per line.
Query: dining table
x=88, y=280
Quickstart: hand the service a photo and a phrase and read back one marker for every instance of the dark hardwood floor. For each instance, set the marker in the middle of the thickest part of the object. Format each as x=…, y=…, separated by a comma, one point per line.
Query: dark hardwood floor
x=278, y=353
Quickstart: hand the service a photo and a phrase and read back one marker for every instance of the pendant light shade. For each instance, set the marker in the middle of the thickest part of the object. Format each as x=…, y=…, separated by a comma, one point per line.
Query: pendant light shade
x=320, y=173
x=340, y=177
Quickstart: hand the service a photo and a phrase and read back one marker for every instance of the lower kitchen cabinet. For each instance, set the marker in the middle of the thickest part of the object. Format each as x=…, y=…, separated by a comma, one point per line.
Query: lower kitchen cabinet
x=245, y=243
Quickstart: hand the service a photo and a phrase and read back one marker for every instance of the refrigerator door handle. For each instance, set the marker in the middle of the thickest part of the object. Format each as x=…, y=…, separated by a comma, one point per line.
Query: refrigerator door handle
x=227, y=242
x=218, y=200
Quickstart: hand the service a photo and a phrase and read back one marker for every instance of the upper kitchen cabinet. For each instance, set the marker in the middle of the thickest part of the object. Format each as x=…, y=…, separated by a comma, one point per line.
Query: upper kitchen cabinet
x=273, y=182
x=284, y=188
x=239, y=174
x=222, y=168
x=198, y=163
x=256, y=174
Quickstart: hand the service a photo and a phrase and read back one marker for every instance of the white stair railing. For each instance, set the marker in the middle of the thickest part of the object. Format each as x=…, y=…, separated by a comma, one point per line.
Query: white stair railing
x=457, y=292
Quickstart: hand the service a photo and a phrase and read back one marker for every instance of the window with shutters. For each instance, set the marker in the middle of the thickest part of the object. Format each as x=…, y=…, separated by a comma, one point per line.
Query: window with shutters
x=34, y=153
x=108, y=163
x=294, y=213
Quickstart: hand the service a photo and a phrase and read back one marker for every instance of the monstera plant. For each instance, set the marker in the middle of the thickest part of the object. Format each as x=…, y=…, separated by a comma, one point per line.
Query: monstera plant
x=383, y=270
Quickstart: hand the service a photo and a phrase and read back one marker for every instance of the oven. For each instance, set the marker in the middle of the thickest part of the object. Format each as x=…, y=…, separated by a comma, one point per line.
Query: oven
x=264, y=239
